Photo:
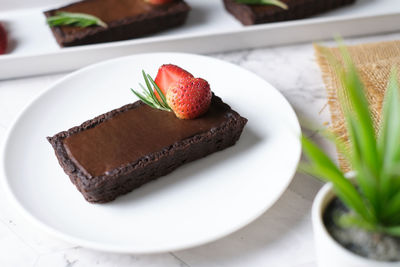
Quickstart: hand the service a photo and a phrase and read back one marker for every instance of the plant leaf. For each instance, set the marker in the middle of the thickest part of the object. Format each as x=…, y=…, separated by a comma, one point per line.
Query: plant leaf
x=350, y=220
x=75, y=19
x=391, y=213
x=374, y=159
x=340, y=145
x=160, y=93
x=148, y=96
x=149, y=90
x=361, y=131
x=388, y=141
x=367, y=183
x=358, y=105
x=143, y=98
x=264, y=2
x=393, y=231
x=322, y=167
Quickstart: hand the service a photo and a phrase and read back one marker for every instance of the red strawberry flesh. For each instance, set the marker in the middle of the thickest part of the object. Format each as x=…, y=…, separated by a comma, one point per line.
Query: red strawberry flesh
x=168, y=75
x=190, y=98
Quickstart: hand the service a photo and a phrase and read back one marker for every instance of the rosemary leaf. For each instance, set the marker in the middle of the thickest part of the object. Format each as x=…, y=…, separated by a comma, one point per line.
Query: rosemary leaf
x=148, y=96
x=264, y=2
x=75, y=19
x=160, y=93
x=144, y=99
x=151, y=91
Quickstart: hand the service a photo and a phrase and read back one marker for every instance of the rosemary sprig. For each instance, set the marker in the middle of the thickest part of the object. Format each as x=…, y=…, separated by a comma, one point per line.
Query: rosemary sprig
x=149, y=97
x=75, y=19
x=264, y=2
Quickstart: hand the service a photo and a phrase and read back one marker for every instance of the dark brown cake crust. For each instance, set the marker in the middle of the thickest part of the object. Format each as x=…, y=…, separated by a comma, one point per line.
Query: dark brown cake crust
x=158, y=19
x=298, y=9
x=124, y=179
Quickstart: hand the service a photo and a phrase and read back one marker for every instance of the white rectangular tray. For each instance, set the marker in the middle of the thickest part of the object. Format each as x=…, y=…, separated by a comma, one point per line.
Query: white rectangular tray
x=209, y=29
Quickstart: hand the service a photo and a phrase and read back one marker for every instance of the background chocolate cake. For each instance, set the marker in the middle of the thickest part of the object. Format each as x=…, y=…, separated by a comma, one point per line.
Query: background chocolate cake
x=125, y=19
x=297, y=9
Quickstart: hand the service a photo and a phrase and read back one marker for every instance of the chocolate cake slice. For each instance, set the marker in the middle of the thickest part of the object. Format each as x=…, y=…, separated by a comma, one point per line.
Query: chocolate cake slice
x=126, y=19
x=123, y=149
x=297, y=9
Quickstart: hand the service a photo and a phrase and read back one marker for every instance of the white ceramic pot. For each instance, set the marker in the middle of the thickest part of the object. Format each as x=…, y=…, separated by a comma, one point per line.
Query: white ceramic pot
x=329, y=252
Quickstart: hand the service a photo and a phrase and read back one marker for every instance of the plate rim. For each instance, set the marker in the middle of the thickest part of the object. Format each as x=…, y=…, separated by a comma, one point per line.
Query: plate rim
x=10, y=195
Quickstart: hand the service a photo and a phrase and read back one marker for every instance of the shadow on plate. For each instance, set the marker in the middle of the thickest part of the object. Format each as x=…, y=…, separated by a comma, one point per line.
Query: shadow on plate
x=247, y=141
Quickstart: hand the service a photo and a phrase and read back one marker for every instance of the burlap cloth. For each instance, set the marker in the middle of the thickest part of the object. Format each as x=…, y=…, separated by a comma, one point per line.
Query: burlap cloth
x=374, y=63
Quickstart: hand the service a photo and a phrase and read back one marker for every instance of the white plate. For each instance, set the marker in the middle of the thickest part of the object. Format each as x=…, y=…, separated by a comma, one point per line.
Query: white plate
x=209, y=29
x=198, y=203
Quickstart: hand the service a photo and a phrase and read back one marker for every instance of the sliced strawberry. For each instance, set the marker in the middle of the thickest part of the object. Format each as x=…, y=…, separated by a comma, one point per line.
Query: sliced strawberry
x=159, y=2
x=3, y=40
x=169, y=74
x=190, y=98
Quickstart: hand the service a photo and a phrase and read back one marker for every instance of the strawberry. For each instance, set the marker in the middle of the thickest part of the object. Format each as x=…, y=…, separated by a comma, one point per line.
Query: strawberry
x=167, y=75
x=158, y=2
x=189, y=98
x=3, y=40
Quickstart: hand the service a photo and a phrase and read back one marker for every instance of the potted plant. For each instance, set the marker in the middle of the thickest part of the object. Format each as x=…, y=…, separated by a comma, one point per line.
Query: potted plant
x=357, y=221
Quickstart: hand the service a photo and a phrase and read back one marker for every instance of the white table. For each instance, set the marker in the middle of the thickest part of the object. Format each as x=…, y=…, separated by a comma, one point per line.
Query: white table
x=281, y=237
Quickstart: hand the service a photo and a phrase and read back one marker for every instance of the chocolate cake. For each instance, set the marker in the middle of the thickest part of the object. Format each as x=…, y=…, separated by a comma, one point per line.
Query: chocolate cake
x=126, y=19
x=297, y=9
x=123, y=149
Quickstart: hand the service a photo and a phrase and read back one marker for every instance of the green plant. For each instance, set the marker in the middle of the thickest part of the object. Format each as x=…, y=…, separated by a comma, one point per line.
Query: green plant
x=374, y=197
x=277, y=3
x=75, y=19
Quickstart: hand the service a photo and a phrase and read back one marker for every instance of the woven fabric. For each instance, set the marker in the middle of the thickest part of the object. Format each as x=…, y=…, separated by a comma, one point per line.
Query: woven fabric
x=374, y=63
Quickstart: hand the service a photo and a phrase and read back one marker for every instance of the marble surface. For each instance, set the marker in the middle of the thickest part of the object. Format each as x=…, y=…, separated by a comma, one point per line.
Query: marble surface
x=280, y=237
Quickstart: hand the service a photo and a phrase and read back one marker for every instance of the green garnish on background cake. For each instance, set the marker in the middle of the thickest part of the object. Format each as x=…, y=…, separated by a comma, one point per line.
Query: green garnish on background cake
x=75, y=19
x=263, y=2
